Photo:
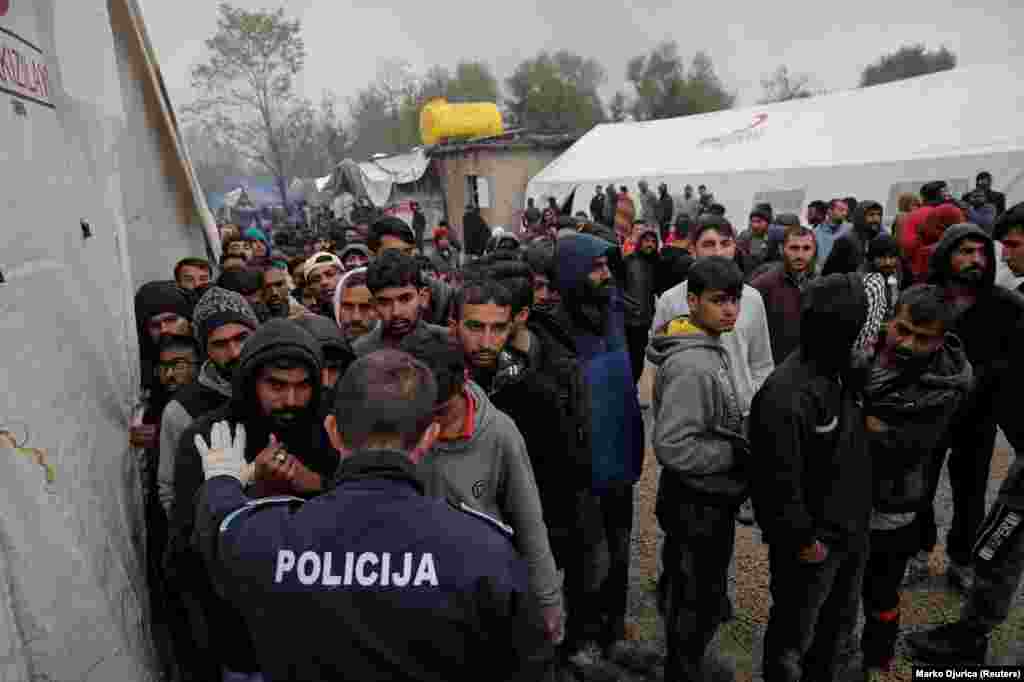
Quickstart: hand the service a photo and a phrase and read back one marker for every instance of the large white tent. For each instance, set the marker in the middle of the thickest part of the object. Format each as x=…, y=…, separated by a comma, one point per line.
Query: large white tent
x=870, y=143
x=99, y=197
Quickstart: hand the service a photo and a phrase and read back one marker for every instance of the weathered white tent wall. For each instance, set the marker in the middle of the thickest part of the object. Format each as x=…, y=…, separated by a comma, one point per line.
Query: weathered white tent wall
x=870, y=143
x=94, y=147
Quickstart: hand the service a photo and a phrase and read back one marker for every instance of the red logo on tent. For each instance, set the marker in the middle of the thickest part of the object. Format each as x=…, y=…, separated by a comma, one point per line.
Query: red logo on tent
x=5, y=6
x=743, y=134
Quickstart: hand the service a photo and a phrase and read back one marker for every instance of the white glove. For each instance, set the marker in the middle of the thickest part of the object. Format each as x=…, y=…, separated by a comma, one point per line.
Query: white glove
x=225, y=456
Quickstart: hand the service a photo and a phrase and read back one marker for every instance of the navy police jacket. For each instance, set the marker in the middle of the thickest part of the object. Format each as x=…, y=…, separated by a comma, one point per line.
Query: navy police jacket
x=372, y=580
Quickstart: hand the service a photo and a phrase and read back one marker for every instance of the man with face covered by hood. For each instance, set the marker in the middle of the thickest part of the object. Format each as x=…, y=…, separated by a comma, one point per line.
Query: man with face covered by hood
x=593, y=312
x=276, y=395
x=848, y=251
x=811, y=481
x=991, y=325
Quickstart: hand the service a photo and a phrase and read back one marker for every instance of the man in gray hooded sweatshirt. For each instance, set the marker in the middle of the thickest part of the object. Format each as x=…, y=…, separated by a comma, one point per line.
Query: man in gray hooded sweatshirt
x=698, y=438
x=222, y=321
x=480, y=463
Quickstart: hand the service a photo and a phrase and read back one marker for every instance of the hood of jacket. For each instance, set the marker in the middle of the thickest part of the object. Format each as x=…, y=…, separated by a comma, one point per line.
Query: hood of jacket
x=575, y=257
x=483, y=422
x=156, y=298
x=939, y=265
x=860, y=227
x=276, y=340
x=948, y=373
x=329, y=337
x=833, y=311
x=663, y=346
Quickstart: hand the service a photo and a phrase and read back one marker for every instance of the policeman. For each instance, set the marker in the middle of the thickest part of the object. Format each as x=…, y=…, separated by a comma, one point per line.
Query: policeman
x=371, y=580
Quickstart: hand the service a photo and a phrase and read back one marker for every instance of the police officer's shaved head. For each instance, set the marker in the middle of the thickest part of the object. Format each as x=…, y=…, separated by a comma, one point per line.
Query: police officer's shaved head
x=384, y=395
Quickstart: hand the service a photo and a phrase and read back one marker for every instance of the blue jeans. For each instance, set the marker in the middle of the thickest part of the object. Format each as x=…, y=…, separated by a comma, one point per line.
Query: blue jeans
x=231, y=676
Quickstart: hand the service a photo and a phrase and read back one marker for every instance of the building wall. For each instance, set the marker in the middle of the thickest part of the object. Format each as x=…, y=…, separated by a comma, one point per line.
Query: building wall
x=507, y=170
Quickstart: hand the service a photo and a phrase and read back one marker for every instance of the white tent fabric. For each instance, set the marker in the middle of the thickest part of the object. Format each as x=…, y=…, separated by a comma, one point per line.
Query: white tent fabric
x=100, y=198
x=378, y=176
x=870, y=143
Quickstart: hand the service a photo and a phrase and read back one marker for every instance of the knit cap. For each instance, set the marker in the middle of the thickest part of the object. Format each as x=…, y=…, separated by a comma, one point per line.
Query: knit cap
x=218, y=307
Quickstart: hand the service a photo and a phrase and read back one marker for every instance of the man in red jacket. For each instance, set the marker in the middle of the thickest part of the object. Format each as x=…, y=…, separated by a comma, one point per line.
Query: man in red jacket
x=932, y=194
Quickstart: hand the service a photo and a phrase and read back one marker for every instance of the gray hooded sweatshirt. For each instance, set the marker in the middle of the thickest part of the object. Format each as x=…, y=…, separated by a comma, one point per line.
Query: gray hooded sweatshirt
x=491, y=472
x=698, y=422
x=173, y=423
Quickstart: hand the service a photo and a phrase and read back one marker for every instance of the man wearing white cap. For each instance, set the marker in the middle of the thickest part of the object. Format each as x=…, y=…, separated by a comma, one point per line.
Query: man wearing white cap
x=322, y=271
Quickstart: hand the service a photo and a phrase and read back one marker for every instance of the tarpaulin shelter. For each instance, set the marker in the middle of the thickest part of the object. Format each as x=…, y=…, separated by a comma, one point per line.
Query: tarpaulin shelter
x=871, y=143
x=376, y=178
x=99, y=198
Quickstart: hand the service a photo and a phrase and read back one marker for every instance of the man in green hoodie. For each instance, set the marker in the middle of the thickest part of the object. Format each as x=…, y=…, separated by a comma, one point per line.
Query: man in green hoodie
x=698, y=438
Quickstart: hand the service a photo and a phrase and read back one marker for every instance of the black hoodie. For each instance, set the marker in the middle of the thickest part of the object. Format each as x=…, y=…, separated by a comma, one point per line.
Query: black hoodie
x=848, y=252
x=992, y=331
x=304, y=439
x=811, y=475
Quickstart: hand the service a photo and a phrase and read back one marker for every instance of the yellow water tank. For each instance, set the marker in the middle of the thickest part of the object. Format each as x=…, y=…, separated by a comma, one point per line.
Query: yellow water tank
x=440, y=120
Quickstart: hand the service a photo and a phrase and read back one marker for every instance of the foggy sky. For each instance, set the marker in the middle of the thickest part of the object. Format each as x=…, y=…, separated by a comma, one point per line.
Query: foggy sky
x=827, y=39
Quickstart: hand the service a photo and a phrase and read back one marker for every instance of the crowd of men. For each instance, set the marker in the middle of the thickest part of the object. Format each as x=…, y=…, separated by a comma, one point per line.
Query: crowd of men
x=381, y=460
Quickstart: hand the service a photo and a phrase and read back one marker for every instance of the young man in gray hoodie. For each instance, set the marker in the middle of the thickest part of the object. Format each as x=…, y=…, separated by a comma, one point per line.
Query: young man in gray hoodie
x=480, y=464
x=699, y=439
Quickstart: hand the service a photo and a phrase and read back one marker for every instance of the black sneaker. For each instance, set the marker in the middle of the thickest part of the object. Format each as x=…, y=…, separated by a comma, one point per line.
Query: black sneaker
x=958, y=642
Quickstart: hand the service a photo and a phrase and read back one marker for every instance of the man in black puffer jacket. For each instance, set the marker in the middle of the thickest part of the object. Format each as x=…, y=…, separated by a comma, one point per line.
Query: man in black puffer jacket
x=848, y=252
x=276, y=395
x=918, y=379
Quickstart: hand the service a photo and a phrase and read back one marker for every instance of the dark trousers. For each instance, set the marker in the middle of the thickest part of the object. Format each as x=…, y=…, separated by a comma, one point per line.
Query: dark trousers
x=887, y=562
x=636, y=342
x=970, y=457
x=617, y=512
x=694, y=588
x=814, y=611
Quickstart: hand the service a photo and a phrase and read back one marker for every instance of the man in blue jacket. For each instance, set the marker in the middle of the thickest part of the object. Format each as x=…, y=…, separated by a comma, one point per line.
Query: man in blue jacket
x=593, y=311
x=372, y=580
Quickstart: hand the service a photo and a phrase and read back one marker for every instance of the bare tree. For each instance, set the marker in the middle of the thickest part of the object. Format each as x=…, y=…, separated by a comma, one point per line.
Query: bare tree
x=246, y=89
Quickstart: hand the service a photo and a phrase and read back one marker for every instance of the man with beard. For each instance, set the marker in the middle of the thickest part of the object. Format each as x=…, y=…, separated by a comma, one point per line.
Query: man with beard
x=274, y=295
x=248, y=283
x=223, y=320
x=322, y=272
x=400, y=295
x=192, y=275
x=809, y=480
x=593, y=316
x=276, y=394
x=918, y=377
x=991, y=325
x=161, y=309
x=675, y=258
x=752, y=244
x=354, y=309
x=459, y=598
x=391, y=234
x=485, y=327
x=354, y=256
x=781, y=288
x=480, y=460
x=175, y=368
x=832, y=229
x=641, y=269
x=849, y=251
x=699, y=439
